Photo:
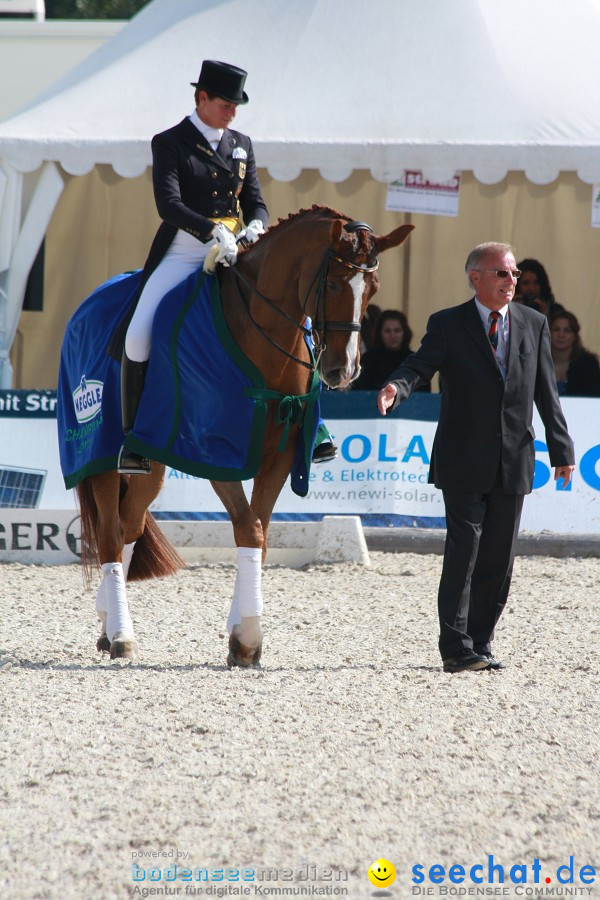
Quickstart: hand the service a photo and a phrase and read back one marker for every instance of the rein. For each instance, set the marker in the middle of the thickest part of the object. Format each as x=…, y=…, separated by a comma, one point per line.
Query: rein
x=281, y=312
x=316, y=333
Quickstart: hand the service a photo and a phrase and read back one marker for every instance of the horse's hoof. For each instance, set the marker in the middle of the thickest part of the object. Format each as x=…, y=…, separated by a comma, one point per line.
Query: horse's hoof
x=242, y=656
x=124, y=648
x=103, y=643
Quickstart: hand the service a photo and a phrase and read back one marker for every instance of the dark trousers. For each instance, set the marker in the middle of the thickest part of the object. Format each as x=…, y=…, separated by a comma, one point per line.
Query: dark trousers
x=478, y=562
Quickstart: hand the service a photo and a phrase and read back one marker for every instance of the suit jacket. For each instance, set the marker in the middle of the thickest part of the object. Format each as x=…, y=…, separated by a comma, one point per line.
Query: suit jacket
x=194, y=183
x=485, y=422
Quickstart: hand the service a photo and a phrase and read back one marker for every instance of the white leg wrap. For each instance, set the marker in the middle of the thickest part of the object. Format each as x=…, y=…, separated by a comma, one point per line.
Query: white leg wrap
x=247, y=594
x=234, y=617
x=118, y=619
x=101, y=600
x=127, y=556
x=102, y=606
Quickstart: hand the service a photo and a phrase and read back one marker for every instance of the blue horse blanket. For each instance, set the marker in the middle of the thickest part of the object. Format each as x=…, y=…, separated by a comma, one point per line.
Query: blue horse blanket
x=204, y=406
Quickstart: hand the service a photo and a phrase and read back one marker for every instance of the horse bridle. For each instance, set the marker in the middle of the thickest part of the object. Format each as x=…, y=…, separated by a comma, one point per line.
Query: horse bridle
x=317, y=332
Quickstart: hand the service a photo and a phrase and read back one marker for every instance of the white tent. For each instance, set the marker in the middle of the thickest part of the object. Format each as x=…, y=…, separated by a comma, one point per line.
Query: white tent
x=477, y=86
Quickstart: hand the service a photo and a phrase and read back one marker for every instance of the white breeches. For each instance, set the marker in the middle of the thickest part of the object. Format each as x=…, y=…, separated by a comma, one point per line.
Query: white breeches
x=247, y=593
x=184, y=256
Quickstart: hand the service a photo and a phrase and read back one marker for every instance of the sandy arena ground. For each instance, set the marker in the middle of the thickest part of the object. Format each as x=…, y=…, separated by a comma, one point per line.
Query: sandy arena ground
x=350, y=745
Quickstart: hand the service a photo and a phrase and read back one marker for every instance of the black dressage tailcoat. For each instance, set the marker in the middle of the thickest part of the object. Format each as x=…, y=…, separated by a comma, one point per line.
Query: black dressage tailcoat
x=194, y=183
x=485, y=423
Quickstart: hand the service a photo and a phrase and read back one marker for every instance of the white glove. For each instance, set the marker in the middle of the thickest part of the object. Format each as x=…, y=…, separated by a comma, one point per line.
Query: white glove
x=226, y=247
x=251, y=233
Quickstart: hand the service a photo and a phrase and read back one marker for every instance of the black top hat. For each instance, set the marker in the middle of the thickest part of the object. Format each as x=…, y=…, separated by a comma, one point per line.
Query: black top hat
x=223, y=80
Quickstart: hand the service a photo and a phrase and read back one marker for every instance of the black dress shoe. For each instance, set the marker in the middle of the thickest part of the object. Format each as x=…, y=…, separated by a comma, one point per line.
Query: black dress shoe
x=492, y=663
x=325, y=452
x=132, y=463
x=464, y=661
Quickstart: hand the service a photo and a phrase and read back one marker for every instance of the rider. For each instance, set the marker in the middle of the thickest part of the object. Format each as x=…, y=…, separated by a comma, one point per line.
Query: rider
x=204, y=177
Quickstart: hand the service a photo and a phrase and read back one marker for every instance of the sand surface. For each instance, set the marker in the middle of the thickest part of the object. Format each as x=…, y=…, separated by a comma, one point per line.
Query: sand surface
x=350, y=744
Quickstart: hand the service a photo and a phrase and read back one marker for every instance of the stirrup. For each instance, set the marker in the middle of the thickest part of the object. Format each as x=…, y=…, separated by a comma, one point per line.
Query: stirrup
x=325, y=452
x=131, y=463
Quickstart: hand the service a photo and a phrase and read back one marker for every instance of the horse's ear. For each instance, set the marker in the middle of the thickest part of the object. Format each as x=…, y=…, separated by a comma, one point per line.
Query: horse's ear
x=336, y=232
x=394, y=238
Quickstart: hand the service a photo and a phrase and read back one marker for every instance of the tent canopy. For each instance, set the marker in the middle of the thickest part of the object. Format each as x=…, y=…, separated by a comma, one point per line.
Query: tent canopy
x=339, y=85
x=336, y=86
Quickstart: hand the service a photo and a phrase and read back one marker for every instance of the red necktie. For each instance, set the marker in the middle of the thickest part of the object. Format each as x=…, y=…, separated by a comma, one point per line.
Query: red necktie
x=493, y=332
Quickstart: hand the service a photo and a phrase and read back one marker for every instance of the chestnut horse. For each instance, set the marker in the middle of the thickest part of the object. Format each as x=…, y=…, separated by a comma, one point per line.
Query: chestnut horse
x=315, y=263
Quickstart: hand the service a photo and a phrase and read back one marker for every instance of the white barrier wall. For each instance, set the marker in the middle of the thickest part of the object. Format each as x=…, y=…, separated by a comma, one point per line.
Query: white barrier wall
x=380, y=475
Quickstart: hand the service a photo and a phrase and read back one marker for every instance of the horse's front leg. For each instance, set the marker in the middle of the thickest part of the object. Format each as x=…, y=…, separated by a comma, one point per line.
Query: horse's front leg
x=250, y=527
x=245, y=615
x=109, y=597
x=117, y=636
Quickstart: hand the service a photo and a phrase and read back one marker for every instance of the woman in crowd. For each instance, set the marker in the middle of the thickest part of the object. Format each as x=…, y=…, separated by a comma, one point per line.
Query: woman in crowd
x=391, y=347
x=533, y=288
x=577, y=370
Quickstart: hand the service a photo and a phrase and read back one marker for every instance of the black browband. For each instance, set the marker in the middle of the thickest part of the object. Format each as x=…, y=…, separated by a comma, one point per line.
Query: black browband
x=357, y=226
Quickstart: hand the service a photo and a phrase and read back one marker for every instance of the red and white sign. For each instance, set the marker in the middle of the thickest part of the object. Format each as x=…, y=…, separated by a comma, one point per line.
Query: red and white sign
x=414, y=193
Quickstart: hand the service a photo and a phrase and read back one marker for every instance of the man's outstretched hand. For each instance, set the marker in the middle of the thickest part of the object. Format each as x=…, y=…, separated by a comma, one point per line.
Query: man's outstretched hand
x=386, y=397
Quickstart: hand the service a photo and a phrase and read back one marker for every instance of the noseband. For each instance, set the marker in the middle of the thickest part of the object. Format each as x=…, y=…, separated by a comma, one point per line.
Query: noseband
x=317, y=333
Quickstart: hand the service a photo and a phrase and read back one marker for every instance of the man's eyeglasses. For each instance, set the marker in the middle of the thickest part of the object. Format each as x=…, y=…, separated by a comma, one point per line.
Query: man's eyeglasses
x=503, y=273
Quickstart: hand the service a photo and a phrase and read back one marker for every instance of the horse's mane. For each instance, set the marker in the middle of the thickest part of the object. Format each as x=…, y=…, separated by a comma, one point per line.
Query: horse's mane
x=315, y=211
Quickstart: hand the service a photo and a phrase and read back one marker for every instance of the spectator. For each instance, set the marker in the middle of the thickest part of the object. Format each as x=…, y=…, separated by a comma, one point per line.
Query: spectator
x=367, y=328
x=533, y=288
x=390, y=348
x=577, y=370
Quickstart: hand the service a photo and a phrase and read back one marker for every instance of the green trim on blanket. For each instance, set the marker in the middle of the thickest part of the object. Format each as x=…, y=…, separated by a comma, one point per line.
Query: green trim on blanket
x=96, y=467
x=293, y=410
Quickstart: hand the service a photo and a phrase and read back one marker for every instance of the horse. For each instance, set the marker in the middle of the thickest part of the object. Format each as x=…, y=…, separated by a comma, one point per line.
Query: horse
x=294, y=304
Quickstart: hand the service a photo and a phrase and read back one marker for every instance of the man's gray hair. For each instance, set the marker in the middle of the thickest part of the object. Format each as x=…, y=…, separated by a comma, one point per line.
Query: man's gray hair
x=481, y=250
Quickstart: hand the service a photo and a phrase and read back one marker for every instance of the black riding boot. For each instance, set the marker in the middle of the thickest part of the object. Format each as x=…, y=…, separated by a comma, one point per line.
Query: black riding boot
x=132, y=384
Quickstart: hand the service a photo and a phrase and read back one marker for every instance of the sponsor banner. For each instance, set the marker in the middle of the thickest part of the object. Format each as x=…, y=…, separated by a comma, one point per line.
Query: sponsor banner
x=380, y=474
x=40, y=536
x=415, y=193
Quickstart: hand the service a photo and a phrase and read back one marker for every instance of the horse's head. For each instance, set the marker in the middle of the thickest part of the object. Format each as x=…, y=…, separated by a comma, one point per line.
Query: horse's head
x=347, y=282
x=315, y=263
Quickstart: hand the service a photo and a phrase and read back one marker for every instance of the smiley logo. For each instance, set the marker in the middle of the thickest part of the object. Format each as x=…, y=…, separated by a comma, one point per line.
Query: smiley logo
x=382, y=873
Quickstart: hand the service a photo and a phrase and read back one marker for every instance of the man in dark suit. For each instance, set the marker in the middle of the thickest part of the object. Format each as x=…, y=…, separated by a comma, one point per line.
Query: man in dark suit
x=204, y=177
x=494, y=362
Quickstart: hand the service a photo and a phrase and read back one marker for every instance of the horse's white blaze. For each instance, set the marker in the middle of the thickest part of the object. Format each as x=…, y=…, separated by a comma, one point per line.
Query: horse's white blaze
x=357, y=283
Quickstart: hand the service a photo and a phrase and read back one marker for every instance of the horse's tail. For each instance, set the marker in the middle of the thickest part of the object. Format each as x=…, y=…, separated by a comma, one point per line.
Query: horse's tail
x=153, y=557
x=88, y=512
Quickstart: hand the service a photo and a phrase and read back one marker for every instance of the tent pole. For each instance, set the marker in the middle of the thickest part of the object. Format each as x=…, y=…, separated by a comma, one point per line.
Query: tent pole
x=406, y=269
x=42, y=205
